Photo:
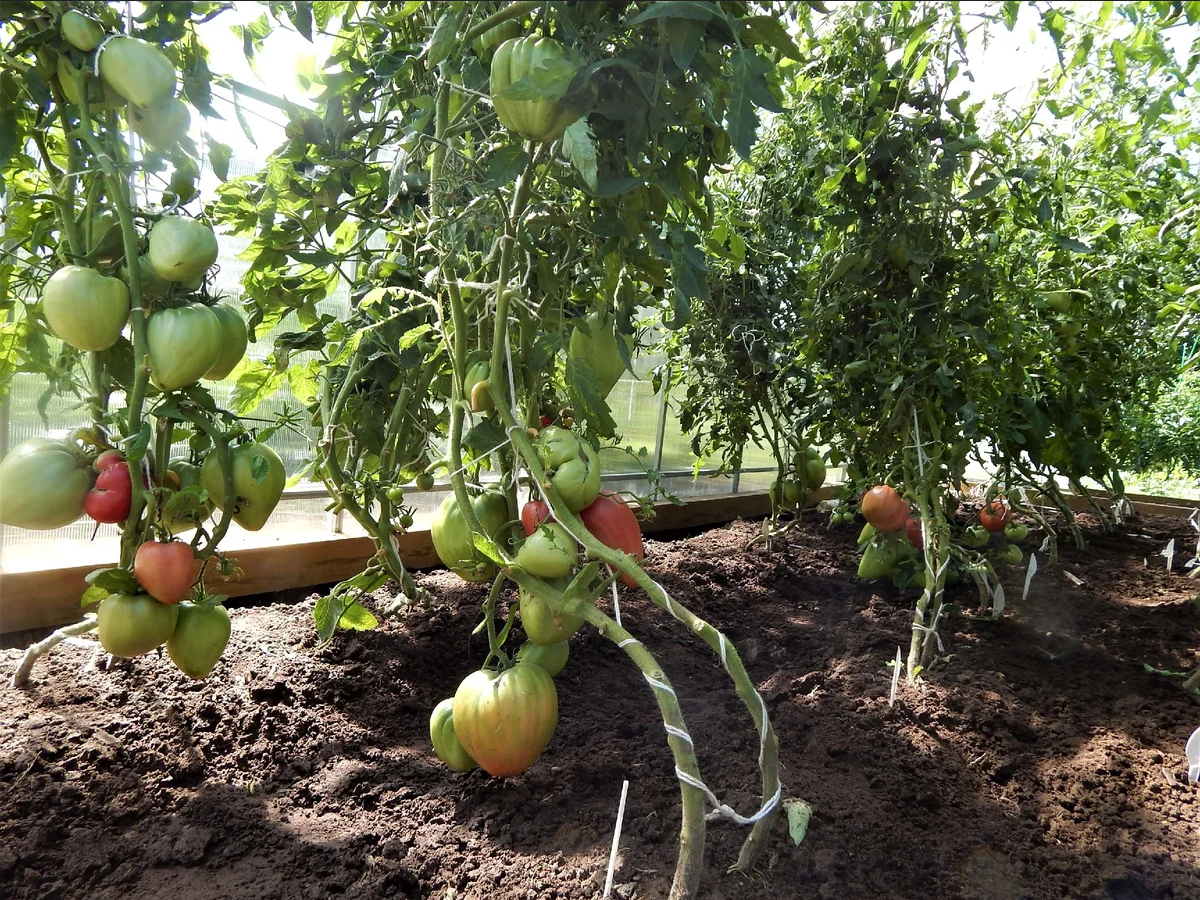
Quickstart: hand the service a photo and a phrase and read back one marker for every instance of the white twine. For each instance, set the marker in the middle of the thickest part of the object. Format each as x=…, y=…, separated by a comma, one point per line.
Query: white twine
x=930, y=629
x=625, y=643
x=616, y=605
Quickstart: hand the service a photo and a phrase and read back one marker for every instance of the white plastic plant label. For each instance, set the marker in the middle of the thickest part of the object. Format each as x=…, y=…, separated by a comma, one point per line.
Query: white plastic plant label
x=1192, y=751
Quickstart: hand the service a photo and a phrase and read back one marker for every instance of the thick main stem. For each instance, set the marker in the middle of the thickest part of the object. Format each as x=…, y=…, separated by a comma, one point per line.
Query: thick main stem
x=36, y=651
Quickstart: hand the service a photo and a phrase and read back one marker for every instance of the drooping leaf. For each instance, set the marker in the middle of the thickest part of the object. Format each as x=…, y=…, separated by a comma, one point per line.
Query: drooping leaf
x=579, y=147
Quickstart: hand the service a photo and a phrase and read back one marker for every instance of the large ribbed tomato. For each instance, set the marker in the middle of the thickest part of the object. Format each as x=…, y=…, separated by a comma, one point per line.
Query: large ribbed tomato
x=162, y=127
x=600, y=349
x=452, y=538
x=84, y=308
x=550, y=552
x=504, y=720
x=884, y=508
x=538, y=120
x=571, y=465
x=233, y=342
x=258, y=480
x=43, y=484
x=184, y=344
x=166, y=571
x=200, y=637
x=995, y=516
x=551, y=657
x=613, y=523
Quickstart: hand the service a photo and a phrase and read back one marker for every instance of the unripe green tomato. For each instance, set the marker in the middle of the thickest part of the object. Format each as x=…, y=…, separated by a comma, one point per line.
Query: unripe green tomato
x=234, y=338
x=535, y=120
x=446, y=744
x=181, y=248
x=200, y=638
x=185, y=343
x=80, y=31
x=138, y=71
x=84, y=308
x=133, y=624
x=162, y=127
x=551, y=657
x=42, y=485
x=395, y=494
x=424, y=482
x=74, y=82
x=256, y=500
x=406, y=521
x=550, y=552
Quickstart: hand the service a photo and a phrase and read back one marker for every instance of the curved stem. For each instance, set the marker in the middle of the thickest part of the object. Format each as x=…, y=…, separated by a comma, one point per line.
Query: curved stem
x=36, y=651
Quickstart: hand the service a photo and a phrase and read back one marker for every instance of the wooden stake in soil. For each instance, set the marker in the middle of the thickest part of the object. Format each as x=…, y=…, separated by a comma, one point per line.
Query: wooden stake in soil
x=612, y=855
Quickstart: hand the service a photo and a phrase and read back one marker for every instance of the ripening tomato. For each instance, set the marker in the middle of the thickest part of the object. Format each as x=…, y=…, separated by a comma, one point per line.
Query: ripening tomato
x=109, y=499
x=165, y=571
x=995, y=516
x=915, y=535
x=884, y=508
x=613, y=523
x=533, y=514
x=504, y=720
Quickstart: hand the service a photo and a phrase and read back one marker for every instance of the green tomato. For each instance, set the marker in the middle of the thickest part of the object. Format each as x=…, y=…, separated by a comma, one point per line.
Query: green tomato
x=162, y=127
x=543, y=626
x=1068, y=328
x=571, y=465
x=505, y=720
x=424, y=482
x=138, y=71
x=233, y=342
x=446, y=744
x=550, y=552
x=600, y=350
x=1010, y=554
x=535, y=120
x=881, y=555
x=793, y=492
x=155, y=288
x=42, y=485
x=814, y=473
x=184, y=344
x=258, y=480
x=452, y=538
x=1016, y=531
x=181, y=248
x=84, y=308
x=976, y=536
x=395, y=494
x=480, y=398
x=190, y=509
x=199, y=639
x=1059, y=301
x=868, y=532
x=496, y=36
x=551, y=657
x=80, y=31
x=133, y=624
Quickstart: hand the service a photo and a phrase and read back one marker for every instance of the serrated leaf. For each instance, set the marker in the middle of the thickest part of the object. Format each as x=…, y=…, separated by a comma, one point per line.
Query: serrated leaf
x=357, y=617
x=260, y=468
x=770, y=30
x=304, y=381
x=505, y=165
x=410, y=337
x=325, y=616
x=579, y=146
x=484, y=545
x=584, y=389
x=135, y=447
x=983, y=188
x=256, y=383
x=799, y=814
x=684, y=36
x=113, y=581
x=674, y=9
x=749, y=90
x=92, y=595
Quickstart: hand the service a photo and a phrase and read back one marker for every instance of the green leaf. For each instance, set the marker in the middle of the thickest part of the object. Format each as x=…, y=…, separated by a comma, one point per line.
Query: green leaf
x=1071, y=244
x=799, y=814
x=8, y=135
x=485, y=437
x=256, y=383
x=241, y=117
x=749, y=90
x=356, y=617
x=584, y=389
x=684, y=37
x=260, y=468
x=92, y=595
x=442, y=40
x=113, y=581
x=771, y=31
x=304, y=381
x=579, y=147
x=505, y=165
x=1118, y=55
x=914, y=40
x=983, y=188
x=1012, y=9
x=674, y=9
x=135, y=447
x=484, y=545
x=219, y=156
x=548, y=81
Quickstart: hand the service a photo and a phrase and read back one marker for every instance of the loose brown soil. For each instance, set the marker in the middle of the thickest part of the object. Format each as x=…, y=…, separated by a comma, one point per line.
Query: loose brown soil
x=1040, y=760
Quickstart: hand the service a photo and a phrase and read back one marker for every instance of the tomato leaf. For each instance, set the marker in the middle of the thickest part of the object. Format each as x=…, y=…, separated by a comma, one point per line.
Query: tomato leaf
x=255, y=384
x=505, y=165
x=771, y=31
x=112, y=581
x=357, y=617
x=684, y=37
x=1071, y=244
x=219, y=155
x=749, y=90
x=485, y=437
x=442, y=40
x=674, y=9
x=548, y=81
x=799, y=814
x=578, y=144
x=92, y=595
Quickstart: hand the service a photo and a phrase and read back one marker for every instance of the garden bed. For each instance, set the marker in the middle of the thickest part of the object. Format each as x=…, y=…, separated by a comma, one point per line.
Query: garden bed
x=1042, y=760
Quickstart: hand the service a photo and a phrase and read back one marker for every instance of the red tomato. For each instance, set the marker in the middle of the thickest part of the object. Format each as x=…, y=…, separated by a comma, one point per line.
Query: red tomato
x=884, y=508
x=533, y=514
x=613, y=523
x=995, y=515
x=108, y=501
x=913, y=526
x=166, y=571
x=546, y=420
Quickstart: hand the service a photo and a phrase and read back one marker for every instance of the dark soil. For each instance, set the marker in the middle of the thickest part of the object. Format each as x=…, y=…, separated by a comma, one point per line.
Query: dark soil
x=1040, y=760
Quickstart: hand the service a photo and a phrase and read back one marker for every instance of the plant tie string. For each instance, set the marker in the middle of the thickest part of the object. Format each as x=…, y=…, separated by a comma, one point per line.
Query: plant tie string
x=930, y=629
x=616, y=604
